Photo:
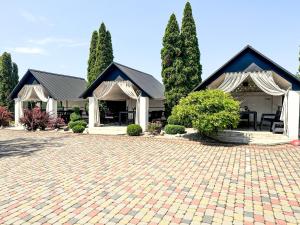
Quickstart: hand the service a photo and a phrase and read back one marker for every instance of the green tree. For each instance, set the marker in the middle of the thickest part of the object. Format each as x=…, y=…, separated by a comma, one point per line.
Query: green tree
x=14, y=76
x=172, y=65
x=92, y=58
x=109, y=53
x=104, y=54
x=5, y=78
x=191, y=52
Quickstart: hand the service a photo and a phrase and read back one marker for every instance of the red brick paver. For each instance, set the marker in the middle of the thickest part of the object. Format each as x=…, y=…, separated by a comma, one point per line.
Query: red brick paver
x=54, y=178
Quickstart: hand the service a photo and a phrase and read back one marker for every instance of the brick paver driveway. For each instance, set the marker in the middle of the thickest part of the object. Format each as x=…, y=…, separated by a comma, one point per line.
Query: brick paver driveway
x=54, y=178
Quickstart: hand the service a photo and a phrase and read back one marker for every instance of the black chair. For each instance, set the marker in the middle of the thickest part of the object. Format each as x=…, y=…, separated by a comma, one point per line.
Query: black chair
x=270, y=118
x=245, y=116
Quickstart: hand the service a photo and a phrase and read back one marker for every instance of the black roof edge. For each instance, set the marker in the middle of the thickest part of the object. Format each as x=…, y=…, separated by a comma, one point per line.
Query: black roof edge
x=57, y=74
x=83, y=95
x=238, y=54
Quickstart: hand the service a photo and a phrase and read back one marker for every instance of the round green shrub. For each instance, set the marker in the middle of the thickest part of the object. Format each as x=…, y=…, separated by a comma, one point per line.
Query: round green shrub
x=78, y=128
x=71, y=124
x=75, y=116
x=173, y=119
x=208, y=111
x=134, y=130
x=174, y=129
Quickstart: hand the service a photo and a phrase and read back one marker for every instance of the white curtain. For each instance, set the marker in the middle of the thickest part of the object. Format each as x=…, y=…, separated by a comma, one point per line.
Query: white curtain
x=126, y=86
x=103, y=89
x=232, y=81
x=264, y=80
x=33, y=93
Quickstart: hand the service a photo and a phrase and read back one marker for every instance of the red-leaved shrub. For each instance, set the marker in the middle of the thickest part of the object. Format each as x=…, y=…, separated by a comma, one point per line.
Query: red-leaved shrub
x=35, y=119
x=56, y=123
x=5, y=116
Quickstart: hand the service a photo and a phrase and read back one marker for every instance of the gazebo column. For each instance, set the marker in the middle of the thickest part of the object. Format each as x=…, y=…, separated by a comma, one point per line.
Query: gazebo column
x=18, y=111
x=52, y=107
x=293, y=115
x=93, y=104
x=144, y=112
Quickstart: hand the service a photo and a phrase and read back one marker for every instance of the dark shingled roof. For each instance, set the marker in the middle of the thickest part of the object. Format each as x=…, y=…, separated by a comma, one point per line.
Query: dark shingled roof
x=146, y=82
x=60, y=87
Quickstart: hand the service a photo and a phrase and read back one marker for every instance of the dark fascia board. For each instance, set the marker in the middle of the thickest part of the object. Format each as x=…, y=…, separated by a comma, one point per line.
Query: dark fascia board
x=248, y=47
x=97, y=82
x=21, y=83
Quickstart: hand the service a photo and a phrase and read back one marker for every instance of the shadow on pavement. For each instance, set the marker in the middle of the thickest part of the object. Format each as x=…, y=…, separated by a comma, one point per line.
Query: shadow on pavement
x=27, y=146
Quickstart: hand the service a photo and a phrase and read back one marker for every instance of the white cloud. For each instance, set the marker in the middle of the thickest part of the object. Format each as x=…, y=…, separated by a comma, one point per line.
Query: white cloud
x=61, y=42
x=28, y=16
x=29, y=50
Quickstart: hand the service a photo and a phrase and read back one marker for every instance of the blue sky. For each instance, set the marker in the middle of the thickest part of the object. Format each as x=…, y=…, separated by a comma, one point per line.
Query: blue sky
x=54, y=35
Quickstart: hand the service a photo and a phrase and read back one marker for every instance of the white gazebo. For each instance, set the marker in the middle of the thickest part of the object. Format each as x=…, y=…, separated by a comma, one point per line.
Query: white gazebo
x=52, y=89
x=261, y=86
x=141, y=92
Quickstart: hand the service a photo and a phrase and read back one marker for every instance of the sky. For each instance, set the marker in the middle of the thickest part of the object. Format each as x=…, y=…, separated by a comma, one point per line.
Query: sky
x=54, y=35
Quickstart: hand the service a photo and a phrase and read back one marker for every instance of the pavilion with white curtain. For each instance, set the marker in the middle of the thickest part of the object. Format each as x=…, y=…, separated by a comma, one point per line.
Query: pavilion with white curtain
x=54, y=90
x=261, y=86
x=142, y=93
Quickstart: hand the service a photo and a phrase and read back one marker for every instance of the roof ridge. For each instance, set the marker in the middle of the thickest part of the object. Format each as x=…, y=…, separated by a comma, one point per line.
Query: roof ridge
x=134, y=69
x=57, y=74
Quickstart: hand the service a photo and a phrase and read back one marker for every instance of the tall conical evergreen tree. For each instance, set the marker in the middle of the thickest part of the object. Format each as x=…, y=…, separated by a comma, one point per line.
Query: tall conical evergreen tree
x=14, y=76
x=92, y=58
x=5, y=78
x=110, y=55
x=104, y=54
x=172, y=65
x=191, y=52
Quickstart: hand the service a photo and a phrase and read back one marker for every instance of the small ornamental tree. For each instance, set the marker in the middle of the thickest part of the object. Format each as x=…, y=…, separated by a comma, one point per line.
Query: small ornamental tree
x=5, y=116
x=207, y=111
x=35, y=119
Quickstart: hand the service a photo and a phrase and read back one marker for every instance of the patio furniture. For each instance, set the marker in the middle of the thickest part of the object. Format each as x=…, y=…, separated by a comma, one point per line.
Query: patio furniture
x=278, y=127
x=109, y=116
x=126, y=113
x=271, y=118
x=246, y=114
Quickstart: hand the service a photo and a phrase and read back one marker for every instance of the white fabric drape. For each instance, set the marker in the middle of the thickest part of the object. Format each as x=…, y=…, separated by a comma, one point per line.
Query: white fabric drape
x=103, y=89
x=126, y=86
x=232, y=81
x=264, y=80
x=33, y=93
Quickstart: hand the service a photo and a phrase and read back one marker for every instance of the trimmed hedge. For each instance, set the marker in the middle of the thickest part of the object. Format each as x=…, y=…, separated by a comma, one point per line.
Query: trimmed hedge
x=75, y=116
x=208, y=111
x=174, y=129
x=78, y=128
x=77, y=122
x=134, y=130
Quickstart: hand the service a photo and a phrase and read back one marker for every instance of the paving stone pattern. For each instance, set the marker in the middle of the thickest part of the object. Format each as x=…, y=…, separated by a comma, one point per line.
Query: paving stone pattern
x=56, y=178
